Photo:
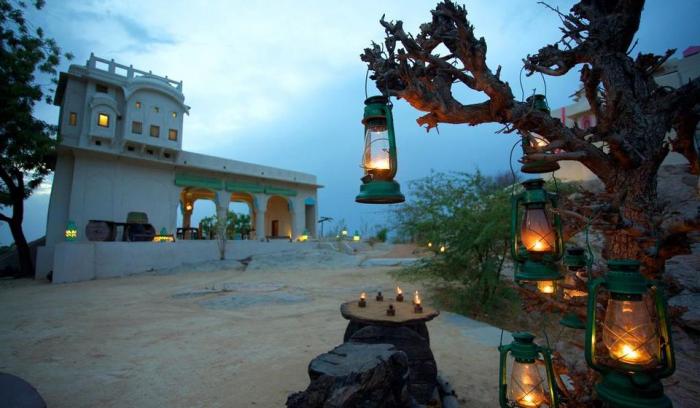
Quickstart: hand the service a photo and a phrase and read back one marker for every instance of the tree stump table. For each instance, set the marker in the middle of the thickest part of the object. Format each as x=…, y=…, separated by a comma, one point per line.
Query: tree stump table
x=406, y=331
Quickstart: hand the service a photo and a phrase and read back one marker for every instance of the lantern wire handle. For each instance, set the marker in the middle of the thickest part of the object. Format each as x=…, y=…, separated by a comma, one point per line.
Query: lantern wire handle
x=500, y=342
x=522, y=89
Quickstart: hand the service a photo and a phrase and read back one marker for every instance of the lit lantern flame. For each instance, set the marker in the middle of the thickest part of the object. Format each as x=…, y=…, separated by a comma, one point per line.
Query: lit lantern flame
x=356, y=237
x=344, y=232
x=380, y=164
x=416, y=299
x=430, y=244
x=526, y=385
x=629, y=332
x=363, y=296
x=546, y=286
x=399, y=291
x=188, y=207
x=442, y=248
x=536, y=231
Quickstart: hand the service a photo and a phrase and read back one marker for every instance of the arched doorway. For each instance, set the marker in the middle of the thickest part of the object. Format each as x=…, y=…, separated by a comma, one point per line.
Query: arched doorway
x=198, y=213
x=242, y=206
x=278, y=218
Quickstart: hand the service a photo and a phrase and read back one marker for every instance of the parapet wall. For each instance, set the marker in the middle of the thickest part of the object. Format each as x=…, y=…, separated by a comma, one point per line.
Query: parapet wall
x=80, y=261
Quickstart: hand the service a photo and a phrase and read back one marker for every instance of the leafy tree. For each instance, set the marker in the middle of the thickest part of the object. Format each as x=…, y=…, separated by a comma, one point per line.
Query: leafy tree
x=242, y=224
x=26, y=143
x=469, y=213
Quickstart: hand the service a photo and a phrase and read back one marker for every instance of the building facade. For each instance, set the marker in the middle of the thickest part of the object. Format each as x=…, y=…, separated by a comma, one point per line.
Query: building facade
x=120, y=152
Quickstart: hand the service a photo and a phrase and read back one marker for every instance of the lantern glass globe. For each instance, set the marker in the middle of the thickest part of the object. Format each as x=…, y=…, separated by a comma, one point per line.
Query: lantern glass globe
x=629, y=332
x=526, y=387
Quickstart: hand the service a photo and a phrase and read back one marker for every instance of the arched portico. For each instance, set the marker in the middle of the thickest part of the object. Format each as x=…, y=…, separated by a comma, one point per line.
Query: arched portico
x=278, y=218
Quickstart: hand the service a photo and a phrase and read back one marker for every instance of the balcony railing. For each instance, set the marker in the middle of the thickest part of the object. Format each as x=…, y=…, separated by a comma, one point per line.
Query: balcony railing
x=129, y=72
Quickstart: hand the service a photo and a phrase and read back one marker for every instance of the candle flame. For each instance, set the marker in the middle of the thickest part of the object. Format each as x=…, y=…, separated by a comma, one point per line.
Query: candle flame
x=430, y=244
x=363, y=296
x=416, y=298
x=399, y=291
x=442, y=248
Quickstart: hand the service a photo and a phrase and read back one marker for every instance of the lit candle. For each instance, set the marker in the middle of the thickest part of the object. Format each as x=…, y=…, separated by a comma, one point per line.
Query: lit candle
x=380, y=164
x=363, y=300
x=545, y=287
x=430, y=244
x=399, y=294
x=416, y=302
x=442, y=248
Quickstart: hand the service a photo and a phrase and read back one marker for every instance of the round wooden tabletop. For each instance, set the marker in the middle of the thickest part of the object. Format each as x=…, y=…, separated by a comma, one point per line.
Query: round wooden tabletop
x=375, y=313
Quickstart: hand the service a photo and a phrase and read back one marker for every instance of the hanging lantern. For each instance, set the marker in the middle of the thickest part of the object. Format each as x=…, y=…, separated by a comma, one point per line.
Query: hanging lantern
x=163, y=236
x=379, y=158
x=536, y=236
x=71, y=233
x=526, y=386
x=356, y=237
x=304, y=235
x=636, y=349
x=538, y=102
x=534, y=143
x=576, y=263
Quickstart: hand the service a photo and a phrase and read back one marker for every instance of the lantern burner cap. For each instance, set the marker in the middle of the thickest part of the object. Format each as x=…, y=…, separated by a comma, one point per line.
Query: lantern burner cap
x=533, y=184
x=376, y=99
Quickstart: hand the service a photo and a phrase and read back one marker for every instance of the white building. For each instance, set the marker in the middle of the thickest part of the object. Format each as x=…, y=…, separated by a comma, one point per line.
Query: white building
x=121, y=152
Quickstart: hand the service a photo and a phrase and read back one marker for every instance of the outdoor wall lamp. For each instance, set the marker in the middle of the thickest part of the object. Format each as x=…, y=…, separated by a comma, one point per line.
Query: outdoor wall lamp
x=536, y=241
x=576, y=263
x=526, y=387
x=379, y=158
x=71, y=233
x=636, y=349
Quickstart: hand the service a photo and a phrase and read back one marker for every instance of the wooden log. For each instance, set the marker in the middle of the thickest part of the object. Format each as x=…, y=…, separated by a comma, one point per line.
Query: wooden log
x=423, y=369
x=356, y=375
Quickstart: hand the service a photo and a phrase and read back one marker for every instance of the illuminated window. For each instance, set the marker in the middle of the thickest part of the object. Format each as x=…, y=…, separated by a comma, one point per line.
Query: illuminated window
x=102, y=120
x=174, y=114
x=172, y=134
x=156, y=109
x=138, y=105
x=101, y=88
x=155, y=131
x=136, y=127
x=73, y=119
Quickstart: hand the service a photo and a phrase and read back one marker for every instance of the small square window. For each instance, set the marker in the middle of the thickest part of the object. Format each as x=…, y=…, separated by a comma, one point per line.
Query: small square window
x=98, y=142
x=174, y=114
x=149, y=151
x=136, y=127
x=166, y=155
x=155, y=131
x=73, y=119
x=102, y=120
x=138, y=105
x=130, y=148
x=156, y=109
x=172, y=134
x=101, y=88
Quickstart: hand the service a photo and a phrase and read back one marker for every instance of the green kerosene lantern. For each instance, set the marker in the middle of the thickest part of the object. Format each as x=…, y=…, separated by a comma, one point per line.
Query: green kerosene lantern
x=379, y=158
x=576, y=265
x=536, y=236
x=534, y=143
x=526, y=386
x=636, y=350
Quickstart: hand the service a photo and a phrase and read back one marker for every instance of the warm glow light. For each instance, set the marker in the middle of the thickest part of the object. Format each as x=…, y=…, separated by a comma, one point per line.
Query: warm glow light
x=399, y=291
x=442, y=248
x=430, y=244
x=380, y=164
x=344, y=232
x=526, y=385
x=71, y=234
x=545, y=286
x=363, y=296
x=188, y=207
x=572, y=293
x=629, y=332
x=303, y=238
x=536, y=231
x=356, y=238
x=416, y=298
x=163, y=238
x=103, y=120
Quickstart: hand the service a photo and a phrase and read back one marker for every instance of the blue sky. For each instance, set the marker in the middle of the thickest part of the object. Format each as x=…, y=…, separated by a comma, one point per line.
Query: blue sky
x=280, y=83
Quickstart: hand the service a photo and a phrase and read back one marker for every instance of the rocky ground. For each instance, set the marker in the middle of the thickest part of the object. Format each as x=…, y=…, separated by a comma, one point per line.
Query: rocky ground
x=214, y=335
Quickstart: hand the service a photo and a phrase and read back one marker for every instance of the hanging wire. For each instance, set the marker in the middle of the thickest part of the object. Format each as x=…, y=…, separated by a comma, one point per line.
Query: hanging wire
x=366, y=77
x=500, y=342
x=522, y=89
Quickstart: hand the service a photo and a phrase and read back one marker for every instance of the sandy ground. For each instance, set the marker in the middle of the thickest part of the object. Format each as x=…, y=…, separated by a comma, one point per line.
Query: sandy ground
x=209, y=338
